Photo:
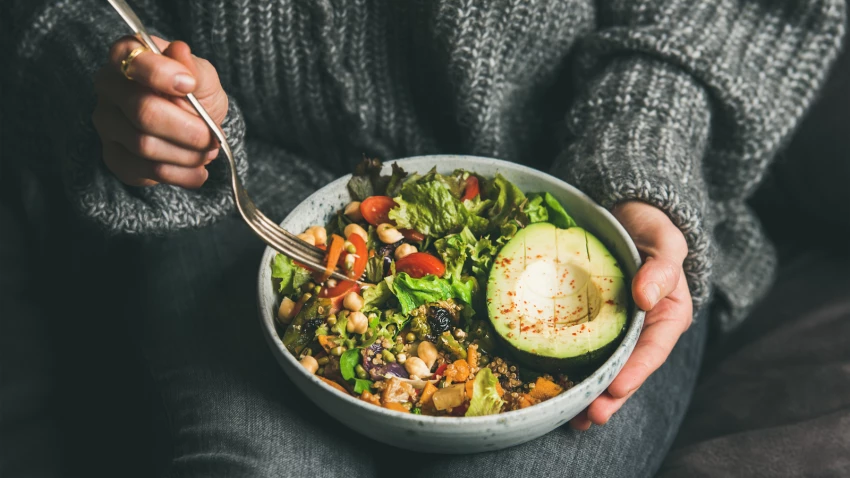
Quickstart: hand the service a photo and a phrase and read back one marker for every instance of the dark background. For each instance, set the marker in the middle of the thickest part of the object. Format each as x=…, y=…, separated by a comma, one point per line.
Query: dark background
x=73, y=403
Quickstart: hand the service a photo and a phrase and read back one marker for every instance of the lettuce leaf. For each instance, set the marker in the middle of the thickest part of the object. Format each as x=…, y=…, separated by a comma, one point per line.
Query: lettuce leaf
x=362, y=385
x=349, y=359
x=368, y=181
x=507, y=199
x=463, y=253
x=555, y=212
x=375, y=297
x=429, y=205
x=557, y=215
x=412, y=293
x=291, y=276
x=485, y=396
x=535, y=210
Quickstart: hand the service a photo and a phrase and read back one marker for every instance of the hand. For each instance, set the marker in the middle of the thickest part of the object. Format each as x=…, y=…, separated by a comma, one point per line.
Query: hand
x=660, y=289
x=149, y=131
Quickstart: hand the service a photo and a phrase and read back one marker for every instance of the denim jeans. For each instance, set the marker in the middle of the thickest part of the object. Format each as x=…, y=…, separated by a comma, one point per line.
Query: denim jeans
x=232, y=411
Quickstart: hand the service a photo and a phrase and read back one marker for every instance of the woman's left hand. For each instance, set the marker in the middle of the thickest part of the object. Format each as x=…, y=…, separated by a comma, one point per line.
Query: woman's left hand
x=660, y=289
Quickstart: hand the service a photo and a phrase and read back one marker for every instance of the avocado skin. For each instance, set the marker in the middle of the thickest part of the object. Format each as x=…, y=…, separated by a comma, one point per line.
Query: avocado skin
x=572, y=366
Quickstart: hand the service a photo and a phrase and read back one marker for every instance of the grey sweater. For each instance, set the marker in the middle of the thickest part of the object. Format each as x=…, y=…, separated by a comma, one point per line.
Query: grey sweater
x=679, y=103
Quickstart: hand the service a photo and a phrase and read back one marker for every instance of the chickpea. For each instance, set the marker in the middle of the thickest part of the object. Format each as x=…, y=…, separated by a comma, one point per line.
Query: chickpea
x=308, y=238
x=355, y=229
x=427, y=352
x=352, y=210
x=415, y=366
x=353, y=301
x=319, y=234
x=310, y=363
x=388, y=234
x=357, y=323
x=285, y=311
x=401, y=358
x=404, y=250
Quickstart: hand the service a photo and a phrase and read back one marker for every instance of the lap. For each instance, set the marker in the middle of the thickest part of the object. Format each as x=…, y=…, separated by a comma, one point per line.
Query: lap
x=232, y=410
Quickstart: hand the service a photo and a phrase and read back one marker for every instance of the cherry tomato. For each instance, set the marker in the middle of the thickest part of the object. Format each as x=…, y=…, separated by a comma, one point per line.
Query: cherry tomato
x=412, y=235
x=337, y=293
x=420, y=264
x=472, y=188
x=361, y=257
x=376, y=209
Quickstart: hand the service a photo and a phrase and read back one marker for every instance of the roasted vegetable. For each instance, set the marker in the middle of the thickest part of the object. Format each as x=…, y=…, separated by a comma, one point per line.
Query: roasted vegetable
x=450, y=345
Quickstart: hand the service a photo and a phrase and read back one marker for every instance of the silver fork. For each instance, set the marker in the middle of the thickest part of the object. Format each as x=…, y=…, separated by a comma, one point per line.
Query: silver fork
x=278, y=238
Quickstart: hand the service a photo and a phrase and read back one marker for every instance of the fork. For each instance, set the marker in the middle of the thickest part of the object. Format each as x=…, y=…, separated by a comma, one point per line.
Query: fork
x=275, y=236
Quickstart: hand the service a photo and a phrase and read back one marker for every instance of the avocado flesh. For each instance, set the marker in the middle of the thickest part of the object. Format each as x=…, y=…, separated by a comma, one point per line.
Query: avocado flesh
x=557, y=298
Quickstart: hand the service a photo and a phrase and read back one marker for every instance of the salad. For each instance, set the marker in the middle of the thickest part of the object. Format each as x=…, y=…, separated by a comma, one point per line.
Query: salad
x=478, y=298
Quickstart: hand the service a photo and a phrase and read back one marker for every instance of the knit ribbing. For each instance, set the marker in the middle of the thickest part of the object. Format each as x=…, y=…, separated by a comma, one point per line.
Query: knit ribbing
x=679, y=103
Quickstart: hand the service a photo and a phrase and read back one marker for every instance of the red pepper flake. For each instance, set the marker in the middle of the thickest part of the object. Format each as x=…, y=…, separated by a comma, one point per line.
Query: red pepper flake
x=609, y=302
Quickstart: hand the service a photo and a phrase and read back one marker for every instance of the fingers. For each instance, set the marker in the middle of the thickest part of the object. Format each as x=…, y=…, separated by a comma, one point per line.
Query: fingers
x=580, y=422
x=156, y=115
x=157, y=72
x=135, y=171
x=656, y=279
x=663, y=327
x=112, y=125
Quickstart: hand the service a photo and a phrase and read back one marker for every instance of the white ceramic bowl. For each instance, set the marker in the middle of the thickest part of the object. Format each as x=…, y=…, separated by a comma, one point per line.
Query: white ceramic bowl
x=457, y=434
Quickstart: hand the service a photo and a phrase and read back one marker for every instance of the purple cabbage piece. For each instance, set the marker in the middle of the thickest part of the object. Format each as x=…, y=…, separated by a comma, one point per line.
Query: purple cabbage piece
x=377, y=372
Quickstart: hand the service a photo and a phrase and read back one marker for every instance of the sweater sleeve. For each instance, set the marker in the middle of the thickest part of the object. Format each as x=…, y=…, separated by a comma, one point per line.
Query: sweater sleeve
x=683, y=102
x=58, y=47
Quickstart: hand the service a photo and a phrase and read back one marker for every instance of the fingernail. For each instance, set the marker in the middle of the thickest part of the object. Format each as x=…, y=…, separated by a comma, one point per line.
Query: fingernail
x=652, y=292
x=184, y=83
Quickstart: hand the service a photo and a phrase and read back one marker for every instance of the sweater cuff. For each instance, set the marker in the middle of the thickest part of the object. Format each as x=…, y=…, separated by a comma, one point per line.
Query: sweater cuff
x=122, y=209
x=639, y=132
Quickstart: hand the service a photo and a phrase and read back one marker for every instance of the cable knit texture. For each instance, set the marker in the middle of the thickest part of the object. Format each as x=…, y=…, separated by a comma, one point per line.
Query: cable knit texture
x=679, y=103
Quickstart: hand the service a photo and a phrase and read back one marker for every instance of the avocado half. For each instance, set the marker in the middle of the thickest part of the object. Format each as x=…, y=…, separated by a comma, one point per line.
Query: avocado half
x=557, y=298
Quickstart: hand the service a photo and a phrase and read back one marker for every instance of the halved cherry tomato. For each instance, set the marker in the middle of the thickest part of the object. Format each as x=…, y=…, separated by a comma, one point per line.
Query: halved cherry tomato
x=361, y=257
x=337, y=293
x=332, y=257
x=412, y=235
x=420, y=264
x=376, y=209
x=472, y=188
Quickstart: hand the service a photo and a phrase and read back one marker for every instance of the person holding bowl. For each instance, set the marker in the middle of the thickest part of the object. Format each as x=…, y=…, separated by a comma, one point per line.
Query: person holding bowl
x=668, y=112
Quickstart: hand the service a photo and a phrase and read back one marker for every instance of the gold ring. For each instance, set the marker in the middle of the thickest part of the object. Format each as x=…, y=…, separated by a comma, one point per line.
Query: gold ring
x=125, y=63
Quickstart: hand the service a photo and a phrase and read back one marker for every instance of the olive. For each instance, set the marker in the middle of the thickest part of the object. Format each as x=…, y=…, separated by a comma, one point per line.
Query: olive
x=439, y=319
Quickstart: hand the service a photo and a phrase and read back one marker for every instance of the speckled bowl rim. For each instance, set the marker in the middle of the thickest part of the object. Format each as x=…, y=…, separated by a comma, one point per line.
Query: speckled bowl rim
x=575, y=393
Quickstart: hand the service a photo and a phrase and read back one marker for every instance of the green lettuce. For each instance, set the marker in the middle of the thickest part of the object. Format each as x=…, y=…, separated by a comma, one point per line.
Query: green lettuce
x=557, y=215
x=485, y=396
x=375, y=297
x=464, y=253
x=349, y=359
x=347, y=362
x=412, y=293
x=291, y=276
x=535, y=210
x=430, y=205
x=507, y=199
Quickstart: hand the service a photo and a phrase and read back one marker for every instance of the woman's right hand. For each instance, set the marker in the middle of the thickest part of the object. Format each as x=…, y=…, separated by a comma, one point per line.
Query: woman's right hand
x=149, y=131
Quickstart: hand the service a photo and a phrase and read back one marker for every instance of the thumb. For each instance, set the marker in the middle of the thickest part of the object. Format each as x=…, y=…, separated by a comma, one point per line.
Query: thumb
x=656, y=279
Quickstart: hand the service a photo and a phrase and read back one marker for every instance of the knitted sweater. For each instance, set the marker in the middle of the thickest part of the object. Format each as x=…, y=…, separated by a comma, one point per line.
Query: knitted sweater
x=679, y=103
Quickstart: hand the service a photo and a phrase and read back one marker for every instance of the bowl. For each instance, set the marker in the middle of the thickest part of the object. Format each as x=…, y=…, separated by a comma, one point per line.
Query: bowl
x=456, y=435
